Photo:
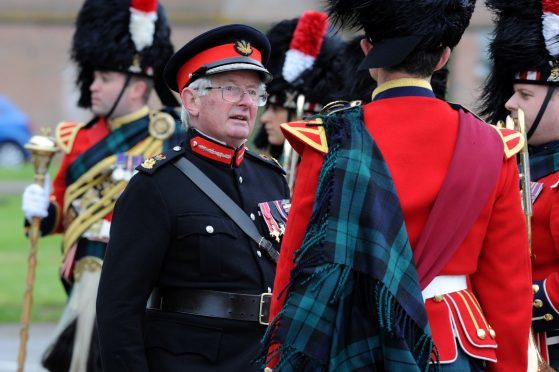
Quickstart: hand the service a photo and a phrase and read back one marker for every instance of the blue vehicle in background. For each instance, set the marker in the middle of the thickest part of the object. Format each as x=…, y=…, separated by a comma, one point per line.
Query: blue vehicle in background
x=15, y=132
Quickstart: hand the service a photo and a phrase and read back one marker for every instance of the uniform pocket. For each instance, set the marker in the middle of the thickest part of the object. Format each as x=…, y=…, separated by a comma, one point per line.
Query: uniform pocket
x=206, y=239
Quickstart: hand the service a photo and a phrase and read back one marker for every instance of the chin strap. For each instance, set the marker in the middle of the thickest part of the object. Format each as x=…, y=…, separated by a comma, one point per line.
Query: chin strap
x=550, y=90
x=128, y=77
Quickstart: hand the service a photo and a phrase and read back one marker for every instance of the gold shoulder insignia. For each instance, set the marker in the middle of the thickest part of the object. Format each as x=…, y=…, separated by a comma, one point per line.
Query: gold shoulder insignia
x=512, y=140
x=311, y=133
x=66, y=133
x=270, y=158
x=161, y=125
x=150, y=162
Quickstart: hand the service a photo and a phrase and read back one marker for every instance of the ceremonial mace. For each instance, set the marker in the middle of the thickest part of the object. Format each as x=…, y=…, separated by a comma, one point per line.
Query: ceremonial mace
x=42, y=149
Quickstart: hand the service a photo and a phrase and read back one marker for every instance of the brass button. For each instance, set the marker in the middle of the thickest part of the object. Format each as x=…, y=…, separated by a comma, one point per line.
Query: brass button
x=492, y=333
x=438, y=298
x=481, y=334
x=548, y=317
x=535, y=288
x=538, y=304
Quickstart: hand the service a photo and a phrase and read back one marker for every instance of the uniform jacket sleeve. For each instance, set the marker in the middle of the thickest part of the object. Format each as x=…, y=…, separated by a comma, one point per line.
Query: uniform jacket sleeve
x=502, y=281
x=140, y=232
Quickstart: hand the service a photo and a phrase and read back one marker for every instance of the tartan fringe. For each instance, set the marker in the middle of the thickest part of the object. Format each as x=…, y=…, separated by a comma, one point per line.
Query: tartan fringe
x=394, y=320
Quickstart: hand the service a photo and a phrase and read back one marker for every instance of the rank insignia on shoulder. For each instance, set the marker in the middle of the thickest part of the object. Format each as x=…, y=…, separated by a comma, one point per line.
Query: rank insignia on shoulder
x=149, y=163
x=310, y=133
x=270, y=158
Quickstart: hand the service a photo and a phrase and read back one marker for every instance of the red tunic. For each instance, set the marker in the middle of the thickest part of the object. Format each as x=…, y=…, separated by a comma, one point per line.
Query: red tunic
x=84, y=139
x=416, y=136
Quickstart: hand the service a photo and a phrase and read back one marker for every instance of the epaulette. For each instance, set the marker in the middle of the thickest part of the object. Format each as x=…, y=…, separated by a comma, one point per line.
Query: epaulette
x=268, y=160
x=513, y=141
x=66, y=133
x=310, y=132
x=151, y=165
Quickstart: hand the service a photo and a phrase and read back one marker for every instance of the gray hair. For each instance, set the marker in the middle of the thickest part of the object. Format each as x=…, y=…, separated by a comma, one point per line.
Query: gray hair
x=200, y=85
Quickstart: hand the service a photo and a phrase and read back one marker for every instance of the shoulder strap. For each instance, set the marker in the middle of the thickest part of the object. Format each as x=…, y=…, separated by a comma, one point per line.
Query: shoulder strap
x=227, y=205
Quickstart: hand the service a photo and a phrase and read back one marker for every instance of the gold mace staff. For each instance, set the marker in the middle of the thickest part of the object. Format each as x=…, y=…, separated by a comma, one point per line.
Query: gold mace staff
x=42, y=149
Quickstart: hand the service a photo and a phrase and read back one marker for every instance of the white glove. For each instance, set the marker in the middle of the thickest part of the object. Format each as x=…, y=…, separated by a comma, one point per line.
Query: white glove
x=35, y=200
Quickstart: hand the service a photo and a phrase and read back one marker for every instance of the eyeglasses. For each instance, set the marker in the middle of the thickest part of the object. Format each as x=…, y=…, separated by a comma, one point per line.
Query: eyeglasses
x=234, y=94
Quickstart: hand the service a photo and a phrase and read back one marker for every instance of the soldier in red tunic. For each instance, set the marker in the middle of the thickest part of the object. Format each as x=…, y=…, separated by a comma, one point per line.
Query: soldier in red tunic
x=120, y=48
x=525, y=75
x=406, y=228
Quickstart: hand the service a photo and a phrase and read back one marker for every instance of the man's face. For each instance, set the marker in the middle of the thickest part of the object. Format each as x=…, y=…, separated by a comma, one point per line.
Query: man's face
x=226, y=121
x=529, y=98
x=271, y=119
x=104, y=90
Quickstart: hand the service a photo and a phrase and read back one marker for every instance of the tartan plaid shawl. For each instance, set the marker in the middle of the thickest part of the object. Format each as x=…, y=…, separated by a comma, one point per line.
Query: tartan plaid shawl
x=544, y=161
x=354, y=300
x=120, y=140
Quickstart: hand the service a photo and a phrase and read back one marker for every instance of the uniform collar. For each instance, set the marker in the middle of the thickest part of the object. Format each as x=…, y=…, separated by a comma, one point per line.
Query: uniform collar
x=403, y=88
x=210, y=148
x=116, y=123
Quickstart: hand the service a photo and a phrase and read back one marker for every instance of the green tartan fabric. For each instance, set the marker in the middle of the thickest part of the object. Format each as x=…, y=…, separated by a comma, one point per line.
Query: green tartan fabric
x=354, y=300
x=120, y=140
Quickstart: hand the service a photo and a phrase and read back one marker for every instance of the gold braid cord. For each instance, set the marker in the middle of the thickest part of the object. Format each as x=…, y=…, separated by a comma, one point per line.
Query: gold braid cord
x=94, y=177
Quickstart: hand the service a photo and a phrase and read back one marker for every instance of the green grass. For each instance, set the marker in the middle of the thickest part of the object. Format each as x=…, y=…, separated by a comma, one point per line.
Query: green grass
x=48, y=294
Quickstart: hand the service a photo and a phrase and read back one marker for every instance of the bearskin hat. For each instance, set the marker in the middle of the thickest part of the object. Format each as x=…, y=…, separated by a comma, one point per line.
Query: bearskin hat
x=396, y=28
x=306, y=59
x=130, y=36
x=524, y=49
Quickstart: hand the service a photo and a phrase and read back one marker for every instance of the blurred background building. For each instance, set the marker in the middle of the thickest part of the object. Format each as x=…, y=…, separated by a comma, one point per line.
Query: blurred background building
x=35, y=37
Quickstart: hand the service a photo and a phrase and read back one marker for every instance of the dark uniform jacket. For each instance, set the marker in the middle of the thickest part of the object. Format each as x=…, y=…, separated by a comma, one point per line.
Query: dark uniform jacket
x=167, y=233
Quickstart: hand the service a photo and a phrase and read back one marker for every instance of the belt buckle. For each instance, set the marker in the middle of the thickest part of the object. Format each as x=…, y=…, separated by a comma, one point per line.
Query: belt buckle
x=263, y=301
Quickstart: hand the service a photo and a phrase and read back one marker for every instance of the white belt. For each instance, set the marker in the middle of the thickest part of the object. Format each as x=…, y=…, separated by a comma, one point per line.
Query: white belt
x=444, y=284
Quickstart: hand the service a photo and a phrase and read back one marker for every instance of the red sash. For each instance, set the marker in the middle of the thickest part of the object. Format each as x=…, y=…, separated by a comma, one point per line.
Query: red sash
x=471, y=179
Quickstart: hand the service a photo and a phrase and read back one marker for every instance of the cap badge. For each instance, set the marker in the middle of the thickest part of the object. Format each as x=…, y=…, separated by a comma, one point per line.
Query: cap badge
x=243, y=47
x=554, y=73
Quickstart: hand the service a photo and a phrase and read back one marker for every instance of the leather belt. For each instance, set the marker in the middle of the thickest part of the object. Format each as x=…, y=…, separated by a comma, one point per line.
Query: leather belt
x=213, y=304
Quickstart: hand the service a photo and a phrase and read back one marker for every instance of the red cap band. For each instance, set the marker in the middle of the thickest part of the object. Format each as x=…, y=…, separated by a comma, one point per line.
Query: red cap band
x=209, y=56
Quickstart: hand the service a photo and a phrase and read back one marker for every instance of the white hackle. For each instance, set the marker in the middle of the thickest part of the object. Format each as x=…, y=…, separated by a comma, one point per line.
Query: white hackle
x=142, y=28
x=295, y=63
x=550, y=24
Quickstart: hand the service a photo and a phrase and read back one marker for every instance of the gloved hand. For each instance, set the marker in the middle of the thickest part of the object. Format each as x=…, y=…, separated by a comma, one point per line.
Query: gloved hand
x=35, y=200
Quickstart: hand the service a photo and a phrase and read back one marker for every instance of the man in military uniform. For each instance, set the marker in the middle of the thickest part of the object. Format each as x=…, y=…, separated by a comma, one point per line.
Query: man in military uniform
x=207, y=281
x=406, y=229
x=120, y=51
x=525, y=76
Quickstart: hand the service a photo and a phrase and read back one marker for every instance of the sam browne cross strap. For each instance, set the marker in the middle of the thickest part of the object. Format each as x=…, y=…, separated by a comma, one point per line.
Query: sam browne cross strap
x=227, y=205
